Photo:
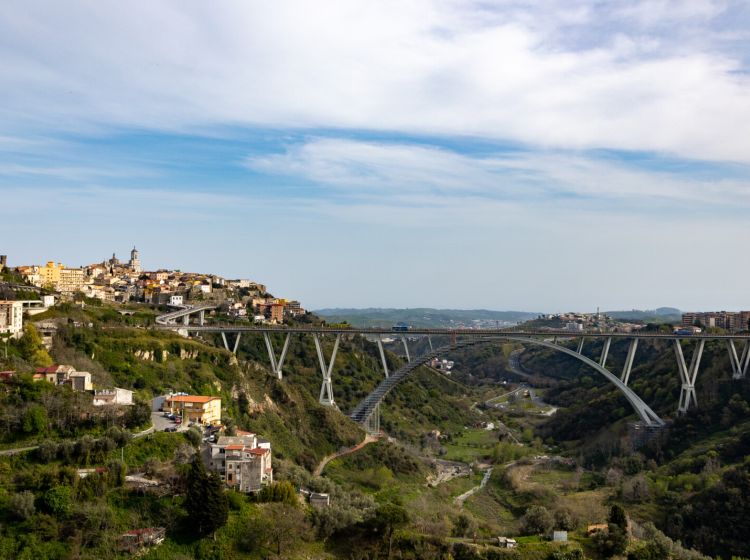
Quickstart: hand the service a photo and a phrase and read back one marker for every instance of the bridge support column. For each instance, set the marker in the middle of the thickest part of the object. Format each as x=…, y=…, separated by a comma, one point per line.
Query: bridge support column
x=372, y=424
x=429, y=339
x=201, y=318
x=605, y=352
x=326, y=389
x=745, y=361
x=580, y=345
x=629, y=361
x=226, y=343
x=186, y=319
x=382, y=356
x=688, y=375
x=406, y=348
x=735, y=359
x=276, y=366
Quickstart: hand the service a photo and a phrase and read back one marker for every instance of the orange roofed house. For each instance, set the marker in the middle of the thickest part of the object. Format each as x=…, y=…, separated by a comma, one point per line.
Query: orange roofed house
x=195, y=408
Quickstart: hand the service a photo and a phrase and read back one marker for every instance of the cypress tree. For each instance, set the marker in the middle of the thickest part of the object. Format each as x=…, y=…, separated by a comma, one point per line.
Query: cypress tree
x=205, y=500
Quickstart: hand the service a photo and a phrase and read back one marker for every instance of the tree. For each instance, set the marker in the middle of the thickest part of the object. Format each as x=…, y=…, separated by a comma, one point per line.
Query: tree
x=279, y=492
x=206, y=502
x=278, y=528
x=22, y=505
x=34, y=419
x=635, y=489
x=464, y=526
x=32, y=348
x=537, y=521
x=389, y=517
x=617, y=517
x=615, y=540
x=194, y=436
x=58, y=501
x=564, y=520
x=138, y=415
x=611, y=542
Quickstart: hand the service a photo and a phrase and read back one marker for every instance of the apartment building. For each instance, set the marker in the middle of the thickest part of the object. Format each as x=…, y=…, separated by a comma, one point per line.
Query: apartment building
x=195, y=408
x=243, y=462
x=728, y=320
x=11, y=318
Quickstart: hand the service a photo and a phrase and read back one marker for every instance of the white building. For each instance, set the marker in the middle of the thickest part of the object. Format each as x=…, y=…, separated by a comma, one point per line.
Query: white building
x=175, y=301
x=80, y=381
x=116, y=396
x=11, y=318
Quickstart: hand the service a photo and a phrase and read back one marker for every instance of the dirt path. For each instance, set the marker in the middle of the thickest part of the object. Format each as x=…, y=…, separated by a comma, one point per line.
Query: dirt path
x=322, y=465
x=459, y=500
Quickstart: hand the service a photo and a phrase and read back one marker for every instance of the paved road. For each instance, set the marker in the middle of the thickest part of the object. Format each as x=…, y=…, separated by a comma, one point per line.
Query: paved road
x=18, y=450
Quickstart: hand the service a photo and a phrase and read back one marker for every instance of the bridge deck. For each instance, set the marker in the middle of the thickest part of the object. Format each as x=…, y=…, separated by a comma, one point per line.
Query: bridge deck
x=451, y=332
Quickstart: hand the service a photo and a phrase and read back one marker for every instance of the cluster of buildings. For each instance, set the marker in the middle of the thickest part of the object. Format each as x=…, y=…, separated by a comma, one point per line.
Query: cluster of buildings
x=124, y=281
x=65, y=375
x=243, y=461
x=580, y=322
x=729, y=320
x=62, y=375
x=443, y=365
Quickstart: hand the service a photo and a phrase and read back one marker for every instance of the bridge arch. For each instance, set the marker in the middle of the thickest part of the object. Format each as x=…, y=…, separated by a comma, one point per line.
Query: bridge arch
x=365, y=408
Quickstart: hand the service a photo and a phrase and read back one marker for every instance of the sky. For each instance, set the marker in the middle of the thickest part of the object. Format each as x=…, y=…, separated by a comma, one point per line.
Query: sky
x=543, y=156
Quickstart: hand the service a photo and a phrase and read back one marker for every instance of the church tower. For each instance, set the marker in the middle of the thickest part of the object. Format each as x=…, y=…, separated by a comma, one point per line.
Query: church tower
x=135, y=262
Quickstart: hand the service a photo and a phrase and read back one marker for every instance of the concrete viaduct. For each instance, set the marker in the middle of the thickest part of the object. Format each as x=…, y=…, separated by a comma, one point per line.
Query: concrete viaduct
x=366, y=412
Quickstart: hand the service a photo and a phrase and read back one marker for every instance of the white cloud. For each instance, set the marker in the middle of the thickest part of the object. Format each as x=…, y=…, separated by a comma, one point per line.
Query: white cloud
x=407, y=174
x=418, y=66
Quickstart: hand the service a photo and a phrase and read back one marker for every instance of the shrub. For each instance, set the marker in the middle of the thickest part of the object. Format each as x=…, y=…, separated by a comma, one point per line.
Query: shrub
x=537, y=521
x=22, y=505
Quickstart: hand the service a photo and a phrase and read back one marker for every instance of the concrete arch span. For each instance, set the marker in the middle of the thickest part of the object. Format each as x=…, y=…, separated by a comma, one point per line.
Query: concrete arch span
x=365, y=408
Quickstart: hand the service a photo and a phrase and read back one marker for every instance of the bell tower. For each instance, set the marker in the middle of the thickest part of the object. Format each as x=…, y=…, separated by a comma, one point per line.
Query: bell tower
x=135, y=262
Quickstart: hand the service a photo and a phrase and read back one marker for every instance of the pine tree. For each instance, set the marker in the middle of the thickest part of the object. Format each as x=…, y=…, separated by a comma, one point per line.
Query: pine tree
x=205, y=500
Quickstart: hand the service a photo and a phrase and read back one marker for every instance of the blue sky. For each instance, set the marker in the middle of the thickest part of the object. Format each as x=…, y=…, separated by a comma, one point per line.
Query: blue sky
x=565, y=155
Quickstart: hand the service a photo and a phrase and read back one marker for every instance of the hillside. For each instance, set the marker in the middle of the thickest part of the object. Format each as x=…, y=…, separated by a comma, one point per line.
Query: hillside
x=659, y=315
x=423, y=317
x=119, y=351
x=692, y=474
x=561, y=471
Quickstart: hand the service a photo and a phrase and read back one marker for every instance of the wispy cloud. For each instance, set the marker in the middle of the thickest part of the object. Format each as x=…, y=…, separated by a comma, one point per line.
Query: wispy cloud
x=378, y=169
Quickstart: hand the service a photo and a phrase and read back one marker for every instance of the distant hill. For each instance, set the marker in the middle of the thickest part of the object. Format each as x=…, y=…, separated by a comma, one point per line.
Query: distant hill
x=424, y=317
x=660, y=315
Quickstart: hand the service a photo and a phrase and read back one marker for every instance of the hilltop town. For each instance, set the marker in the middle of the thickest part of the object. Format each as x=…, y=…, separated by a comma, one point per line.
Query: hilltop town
x=116, y=281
